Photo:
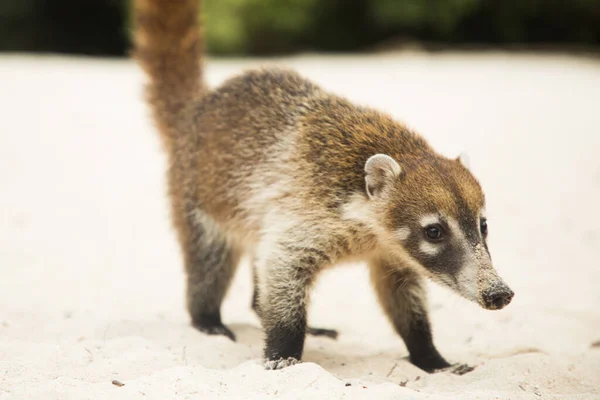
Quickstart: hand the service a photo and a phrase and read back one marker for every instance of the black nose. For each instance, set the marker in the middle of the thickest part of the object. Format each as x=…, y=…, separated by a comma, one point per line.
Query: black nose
x=497, y=299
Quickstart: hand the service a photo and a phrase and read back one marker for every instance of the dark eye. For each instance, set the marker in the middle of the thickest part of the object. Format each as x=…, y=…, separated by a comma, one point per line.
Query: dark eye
x=434, y=232
x=484, y=228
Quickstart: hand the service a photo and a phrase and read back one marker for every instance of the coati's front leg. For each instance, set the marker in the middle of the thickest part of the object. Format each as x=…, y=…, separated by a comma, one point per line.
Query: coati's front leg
x=289, y=272
x=403, y=297
x=313, y=331
x=210, y=264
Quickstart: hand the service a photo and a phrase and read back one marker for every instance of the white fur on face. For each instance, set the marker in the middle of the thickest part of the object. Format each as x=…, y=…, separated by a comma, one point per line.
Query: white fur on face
x=430, y=249
x=467, y=280
x=403, y=233
x=456, y=231
x=429, y=220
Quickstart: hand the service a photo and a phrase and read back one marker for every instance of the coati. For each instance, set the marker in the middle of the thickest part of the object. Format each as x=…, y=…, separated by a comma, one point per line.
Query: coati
x=271, y=165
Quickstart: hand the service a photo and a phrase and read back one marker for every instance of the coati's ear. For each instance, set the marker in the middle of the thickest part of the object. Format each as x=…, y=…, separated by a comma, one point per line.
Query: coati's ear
x=463, y=158
x=380, y=170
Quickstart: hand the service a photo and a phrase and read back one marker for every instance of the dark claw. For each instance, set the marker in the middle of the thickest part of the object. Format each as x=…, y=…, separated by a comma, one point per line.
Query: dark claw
x=215, y=330
x=330, y=333
x=457, y=369
x=460, y=369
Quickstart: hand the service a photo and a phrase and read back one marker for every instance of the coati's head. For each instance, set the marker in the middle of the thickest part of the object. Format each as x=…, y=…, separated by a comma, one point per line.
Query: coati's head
x=432, y=211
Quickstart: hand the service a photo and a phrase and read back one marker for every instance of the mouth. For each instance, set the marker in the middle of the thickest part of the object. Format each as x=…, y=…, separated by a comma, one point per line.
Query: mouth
x=496, y=300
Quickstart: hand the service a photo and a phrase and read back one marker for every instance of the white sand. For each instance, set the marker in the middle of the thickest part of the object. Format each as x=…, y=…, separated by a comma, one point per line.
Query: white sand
x=91, y=281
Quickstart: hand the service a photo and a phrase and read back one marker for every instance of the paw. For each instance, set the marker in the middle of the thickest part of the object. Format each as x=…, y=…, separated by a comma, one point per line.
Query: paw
x=457, y=369
x=281, y=363
x=431, y=363
x=215, y=330
x=330, y=333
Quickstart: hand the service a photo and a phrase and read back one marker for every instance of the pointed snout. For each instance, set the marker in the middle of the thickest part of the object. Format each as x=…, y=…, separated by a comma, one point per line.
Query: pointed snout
x=497, y=297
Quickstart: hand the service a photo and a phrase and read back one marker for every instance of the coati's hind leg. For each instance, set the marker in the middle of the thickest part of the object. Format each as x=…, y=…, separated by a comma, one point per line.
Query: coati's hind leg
x=210, y=263
x=402, y=295
x=330, y=333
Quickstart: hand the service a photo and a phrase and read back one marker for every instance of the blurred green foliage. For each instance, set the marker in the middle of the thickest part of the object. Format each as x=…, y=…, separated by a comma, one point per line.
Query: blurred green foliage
x=273, y=26
x=440, y=16
x=234, y=27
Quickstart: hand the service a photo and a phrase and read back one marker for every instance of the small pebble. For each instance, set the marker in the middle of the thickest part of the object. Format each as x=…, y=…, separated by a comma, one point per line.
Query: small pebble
x=117, y=383
x=348, y=384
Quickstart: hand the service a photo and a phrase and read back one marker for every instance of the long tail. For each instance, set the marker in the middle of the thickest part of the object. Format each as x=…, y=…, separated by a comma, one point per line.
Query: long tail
x=168, y=45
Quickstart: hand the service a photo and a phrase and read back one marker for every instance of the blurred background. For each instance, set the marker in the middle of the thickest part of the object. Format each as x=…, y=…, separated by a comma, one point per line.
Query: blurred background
x=269, y=27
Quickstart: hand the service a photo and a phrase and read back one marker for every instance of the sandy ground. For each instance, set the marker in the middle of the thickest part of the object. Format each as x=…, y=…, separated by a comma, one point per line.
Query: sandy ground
x=91, y=282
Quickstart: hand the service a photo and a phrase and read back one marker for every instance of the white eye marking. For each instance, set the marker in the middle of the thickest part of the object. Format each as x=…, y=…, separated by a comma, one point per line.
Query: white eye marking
x=429, y=248
x=429, y=220
x=403, y=233
x=483, y=214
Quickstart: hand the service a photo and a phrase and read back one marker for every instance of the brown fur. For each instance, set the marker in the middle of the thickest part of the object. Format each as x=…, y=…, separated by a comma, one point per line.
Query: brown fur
x=270, y=164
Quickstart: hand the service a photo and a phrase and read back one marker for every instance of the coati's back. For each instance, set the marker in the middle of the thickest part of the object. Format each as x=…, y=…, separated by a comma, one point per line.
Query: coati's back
x=246, y=132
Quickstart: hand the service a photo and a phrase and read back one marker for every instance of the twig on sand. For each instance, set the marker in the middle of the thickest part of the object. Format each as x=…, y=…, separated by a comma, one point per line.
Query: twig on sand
x=522, y=387
x=392, y=369
x=526, y=387
x=90, y=353
x=314, y=380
